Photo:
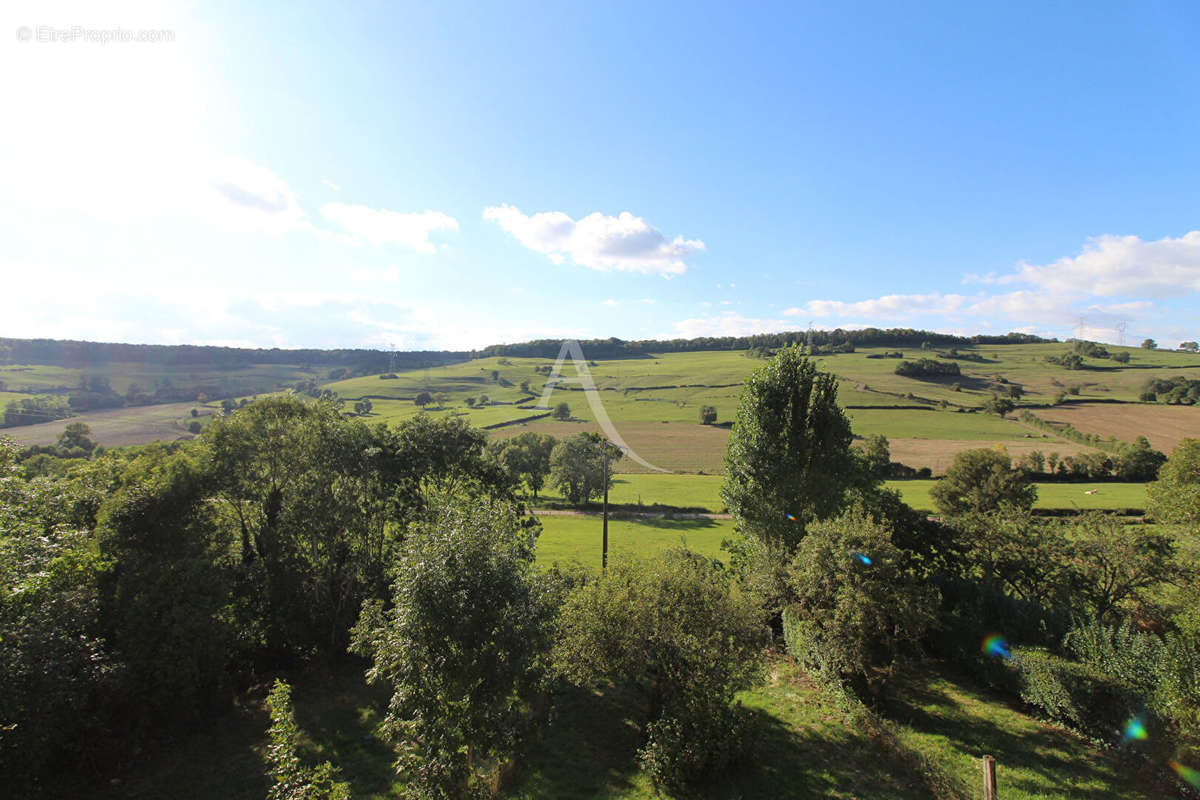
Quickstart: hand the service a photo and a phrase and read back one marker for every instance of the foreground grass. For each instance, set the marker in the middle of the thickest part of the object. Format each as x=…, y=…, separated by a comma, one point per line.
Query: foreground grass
x=954, y=726
x=802, y=748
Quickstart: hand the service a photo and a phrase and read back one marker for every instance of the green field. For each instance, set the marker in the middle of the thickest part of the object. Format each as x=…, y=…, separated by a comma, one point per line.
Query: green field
x=654, y=488
x=1050, y=495
x=116, y=427
x=703, y=491
x=234, y=381
x=655, y=400
x=578, y=539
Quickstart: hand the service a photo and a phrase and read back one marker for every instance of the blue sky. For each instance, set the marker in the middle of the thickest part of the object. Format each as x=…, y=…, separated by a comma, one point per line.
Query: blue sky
x=451, y=175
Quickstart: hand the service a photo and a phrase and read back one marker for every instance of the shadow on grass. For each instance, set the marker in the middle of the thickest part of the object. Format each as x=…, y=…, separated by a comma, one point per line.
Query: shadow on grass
x=797, y=764
x=1035, y=760
x=590, y=751
x=339, y=714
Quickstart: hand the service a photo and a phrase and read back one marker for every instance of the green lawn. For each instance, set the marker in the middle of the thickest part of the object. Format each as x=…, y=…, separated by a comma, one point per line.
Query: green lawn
x=577, y=539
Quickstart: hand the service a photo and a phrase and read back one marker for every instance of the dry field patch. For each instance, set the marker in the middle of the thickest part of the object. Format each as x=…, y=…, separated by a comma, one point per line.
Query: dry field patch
x=938, y=453
x=1163, y=425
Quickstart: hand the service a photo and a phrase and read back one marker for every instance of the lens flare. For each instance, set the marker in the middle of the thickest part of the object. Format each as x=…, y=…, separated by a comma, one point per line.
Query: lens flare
x=792, y=517
x=1135, y=729
x=995, y=645
x=863, y=558
x=1190, y=775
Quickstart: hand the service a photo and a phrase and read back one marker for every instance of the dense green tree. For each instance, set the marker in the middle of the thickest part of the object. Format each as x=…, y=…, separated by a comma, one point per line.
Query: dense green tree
x=526, y=457
x=856, y=604
x=423, y=399
x=1191, y=347
x=562, y=411
x=879, y=455
x=708, y=415
x=167, y=598
x=982, y=480
x=305, y=492
x=1138, y=462
x=577, y=466
x=54, y=666
x=1000, y=406
x=1175, y=496
x=677, y=629
x=363, y=407
x=1117, y=563
x=1149, y=344
x=462, y=645
x=789, y=460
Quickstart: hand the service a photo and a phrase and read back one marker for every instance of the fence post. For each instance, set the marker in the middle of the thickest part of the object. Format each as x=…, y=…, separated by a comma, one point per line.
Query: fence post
x=989, y=778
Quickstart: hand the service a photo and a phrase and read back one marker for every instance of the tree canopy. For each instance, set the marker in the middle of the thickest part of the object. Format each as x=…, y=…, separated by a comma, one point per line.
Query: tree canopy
x=788, y=461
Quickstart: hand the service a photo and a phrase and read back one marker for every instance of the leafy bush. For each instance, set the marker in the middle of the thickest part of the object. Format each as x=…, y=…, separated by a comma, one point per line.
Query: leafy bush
x=700, y=738
x=1067, y=360
x=678, y=631
x=1135, y=658
x=292, y=780
x=856, y=605
x=1078, y=695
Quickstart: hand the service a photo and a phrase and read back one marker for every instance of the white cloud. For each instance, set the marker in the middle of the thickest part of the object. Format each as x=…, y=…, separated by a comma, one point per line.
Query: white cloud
x=331, y=184
x=892, y=305
x=610, y=302
x=389, y=275
x=380, y=226
x=600, y=242
x=1111, y=266
x=729, y=323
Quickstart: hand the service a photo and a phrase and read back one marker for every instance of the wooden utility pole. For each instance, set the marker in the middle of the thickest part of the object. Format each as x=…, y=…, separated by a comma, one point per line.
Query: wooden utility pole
x=989, y=778
x=604, y=551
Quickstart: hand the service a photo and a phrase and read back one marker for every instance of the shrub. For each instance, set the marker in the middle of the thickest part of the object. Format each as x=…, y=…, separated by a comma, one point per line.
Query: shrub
x=856, y=605
x=708, y=415
x=1078, y=695
x=677, y=629
x=291, y=779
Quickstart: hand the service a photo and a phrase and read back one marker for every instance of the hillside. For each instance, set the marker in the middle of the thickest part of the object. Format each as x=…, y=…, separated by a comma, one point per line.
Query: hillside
x=655, y=399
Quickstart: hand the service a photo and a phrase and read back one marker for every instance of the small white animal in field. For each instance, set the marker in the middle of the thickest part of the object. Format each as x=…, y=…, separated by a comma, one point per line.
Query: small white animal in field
x=1090, y=491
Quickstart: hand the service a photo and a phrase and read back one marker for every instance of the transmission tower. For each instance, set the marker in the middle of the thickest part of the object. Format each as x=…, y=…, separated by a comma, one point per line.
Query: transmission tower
x=1121, y=328
x=1079, y=328
x=808, y=339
